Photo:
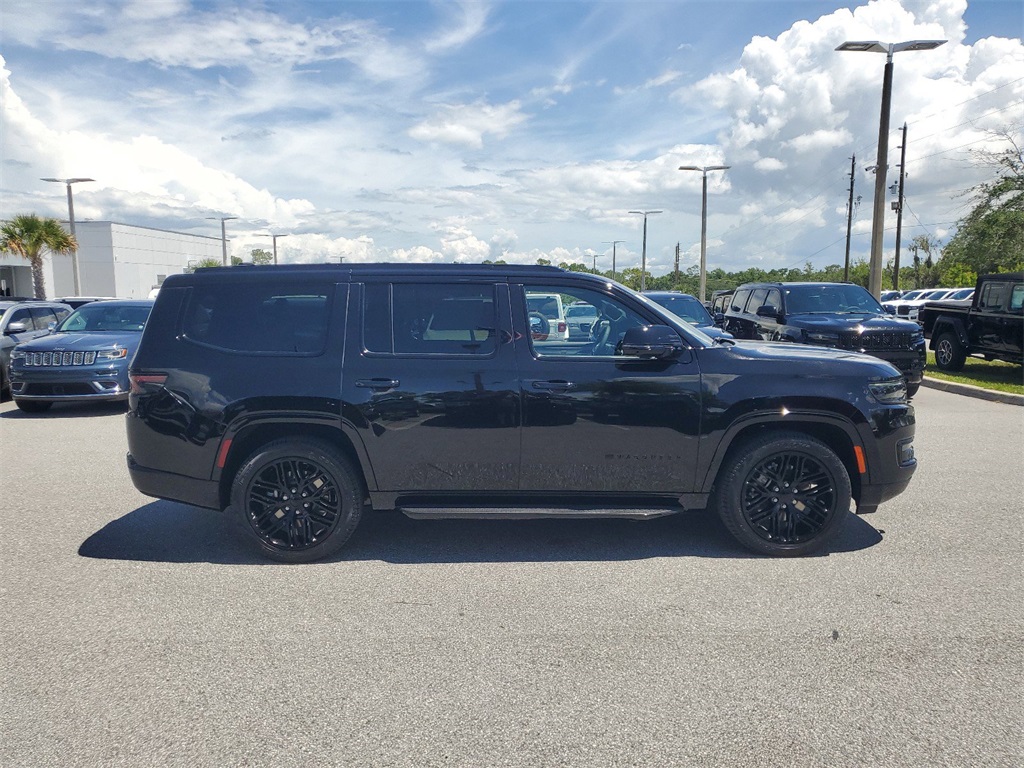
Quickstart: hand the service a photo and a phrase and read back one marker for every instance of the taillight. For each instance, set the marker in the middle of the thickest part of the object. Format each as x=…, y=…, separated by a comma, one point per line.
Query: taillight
x=146, y=382
x=561, y=327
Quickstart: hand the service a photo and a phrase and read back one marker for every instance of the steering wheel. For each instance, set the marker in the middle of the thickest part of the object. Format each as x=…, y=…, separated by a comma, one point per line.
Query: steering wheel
x=600, y=332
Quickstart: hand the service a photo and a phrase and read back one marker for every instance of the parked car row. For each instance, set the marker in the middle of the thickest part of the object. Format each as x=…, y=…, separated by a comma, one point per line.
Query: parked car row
x=909, y=304
x=55, y=354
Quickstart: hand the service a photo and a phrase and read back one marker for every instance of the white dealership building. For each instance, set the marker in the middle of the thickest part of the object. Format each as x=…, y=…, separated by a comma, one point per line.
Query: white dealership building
x=114, y=259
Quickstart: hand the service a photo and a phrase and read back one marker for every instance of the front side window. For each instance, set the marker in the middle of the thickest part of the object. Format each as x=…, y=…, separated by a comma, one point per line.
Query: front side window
x=430, y=319
x=1017, y=298
x=738, y=300
x=261, y=318
x=610, y=319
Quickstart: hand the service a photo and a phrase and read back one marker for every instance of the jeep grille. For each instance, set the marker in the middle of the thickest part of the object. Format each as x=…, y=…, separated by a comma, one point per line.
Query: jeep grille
x=877, y=340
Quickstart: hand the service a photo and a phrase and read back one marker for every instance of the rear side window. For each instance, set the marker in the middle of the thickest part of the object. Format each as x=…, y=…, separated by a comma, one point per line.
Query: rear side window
x=431, y=319
x=993, y=296
x=1017, y=298
x=260, y=318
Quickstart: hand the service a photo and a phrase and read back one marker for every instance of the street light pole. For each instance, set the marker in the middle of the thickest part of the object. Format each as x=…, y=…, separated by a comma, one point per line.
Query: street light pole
x=71, y=225
x=643, y=257
x=275, y=243
x=223, y=236
x=881, y=166
x=613, y=244
x=704, y=219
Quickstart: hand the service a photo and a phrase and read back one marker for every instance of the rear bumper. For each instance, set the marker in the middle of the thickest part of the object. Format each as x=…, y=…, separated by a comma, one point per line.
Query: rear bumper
x=167, y=485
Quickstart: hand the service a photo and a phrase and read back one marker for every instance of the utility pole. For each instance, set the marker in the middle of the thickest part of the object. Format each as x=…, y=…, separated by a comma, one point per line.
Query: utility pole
x=849, y=219
x=898, y=206
x=677, y=261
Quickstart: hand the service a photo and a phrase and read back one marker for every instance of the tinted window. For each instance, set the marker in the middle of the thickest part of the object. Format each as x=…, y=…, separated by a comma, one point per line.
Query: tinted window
x=258, y=318
x=431, y=319
x=738, y=300
x=1017, y=298
x=21, y=316
x=686, y=307
x=757, y=300
x=838, y=298
x=993, y=295
x=774, y=298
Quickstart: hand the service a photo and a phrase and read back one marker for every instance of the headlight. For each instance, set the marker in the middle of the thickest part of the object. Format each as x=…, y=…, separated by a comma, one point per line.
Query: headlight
x=111, y=354
x=889, y=390
x=17, y=354
x=821, y=337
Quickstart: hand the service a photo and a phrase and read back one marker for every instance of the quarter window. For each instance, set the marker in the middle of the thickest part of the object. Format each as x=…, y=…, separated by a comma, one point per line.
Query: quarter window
x=259, y=318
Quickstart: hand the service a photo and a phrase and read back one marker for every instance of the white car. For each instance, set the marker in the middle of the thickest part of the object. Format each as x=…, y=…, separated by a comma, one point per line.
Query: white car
x=547, y=307
x=910, y=303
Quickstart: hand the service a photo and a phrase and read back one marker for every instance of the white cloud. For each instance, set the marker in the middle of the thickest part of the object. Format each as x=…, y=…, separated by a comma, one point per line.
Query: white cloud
x=467, y=124
x=470, y=20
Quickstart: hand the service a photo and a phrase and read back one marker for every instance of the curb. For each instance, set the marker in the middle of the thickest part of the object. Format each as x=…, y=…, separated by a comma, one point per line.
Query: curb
x=972, y=391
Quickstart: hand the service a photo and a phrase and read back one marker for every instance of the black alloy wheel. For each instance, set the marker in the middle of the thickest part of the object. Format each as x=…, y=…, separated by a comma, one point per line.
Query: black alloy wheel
x=949, y=352
x=299, y=500
x=784, y=494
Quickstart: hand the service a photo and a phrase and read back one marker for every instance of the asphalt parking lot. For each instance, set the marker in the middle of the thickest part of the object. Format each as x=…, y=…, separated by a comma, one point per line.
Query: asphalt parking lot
x=141, y=632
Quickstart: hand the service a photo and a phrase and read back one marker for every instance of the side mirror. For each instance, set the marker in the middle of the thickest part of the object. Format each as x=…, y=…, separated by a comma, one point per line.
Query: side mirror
x=51, y=326
x=720, y=319
x=767, y=310
x=891, y=310
x=652, y=342
x=16, y=327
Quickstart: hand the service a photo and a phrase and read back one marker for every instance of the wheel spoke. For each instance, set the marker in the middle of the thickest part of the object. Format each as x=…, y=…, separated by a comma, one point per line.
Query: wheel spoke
x=293, y=504
x=789, y=497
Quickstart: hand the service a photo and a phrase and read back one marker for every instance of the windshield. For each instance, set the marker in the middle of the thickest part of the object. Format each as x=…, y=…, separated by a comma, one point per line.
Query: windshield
x=962, y=294
x=840, y=299
x=912, y=295
x=686, y=307
x=106, y=317
x=581, y=310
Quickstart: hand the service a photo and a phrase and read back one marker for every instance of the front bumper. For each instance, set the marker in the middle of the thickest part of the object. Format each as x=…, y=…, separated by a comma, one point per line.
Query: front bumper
x=78, y=383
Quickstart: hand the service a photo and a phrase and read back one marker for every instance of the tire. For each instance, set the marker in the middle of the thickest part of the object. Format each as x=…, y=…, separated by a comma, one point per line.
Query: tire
x=912, y=389
x=5, y=385
x=949, y=352
x=753, y=499
x=542, y=322
x=270, y=482
x=33, y=406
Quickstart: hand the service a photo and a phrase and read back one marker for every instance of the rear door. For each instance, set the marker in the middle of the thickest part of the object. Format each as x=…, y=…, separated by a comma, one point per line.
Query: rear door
x=594, y=421
x=430, y=384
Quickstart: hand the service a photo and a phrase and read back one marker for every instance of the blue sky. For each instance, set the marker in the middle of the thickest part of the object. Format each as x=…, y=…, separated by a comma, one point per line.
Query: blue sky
x=415, y=131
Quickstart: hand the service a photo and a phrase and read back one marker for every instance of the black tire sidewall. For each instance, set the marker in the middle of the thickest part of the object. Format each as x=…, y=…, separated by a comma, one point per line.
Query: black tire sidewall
x=728, y=491
x=349, y=483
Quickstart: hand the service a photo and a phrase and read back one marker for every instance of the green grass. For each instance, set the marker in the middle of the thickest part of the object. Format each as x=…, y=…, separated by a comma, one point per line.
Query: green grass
x=1004, y=377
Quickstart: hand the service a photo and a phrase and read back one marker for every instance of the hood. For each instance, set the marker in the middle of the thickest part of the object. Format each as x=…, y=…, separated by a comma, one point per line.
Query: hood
x=810, y=360
x=836, y=322
x=75, y=342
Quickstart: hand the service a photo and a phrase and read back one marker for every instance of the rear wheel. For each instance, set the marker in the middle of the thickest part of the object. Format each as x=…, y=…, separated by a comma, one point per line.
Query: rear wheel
x=33, y=406
x=950, y=354
x=783, y=494
x=297, y=500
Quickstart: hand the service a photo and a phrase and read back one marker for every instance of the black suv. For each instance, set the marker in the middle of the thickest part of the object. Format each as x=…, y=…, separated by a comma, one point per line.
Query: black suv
x=839, y=315
x=297, y=396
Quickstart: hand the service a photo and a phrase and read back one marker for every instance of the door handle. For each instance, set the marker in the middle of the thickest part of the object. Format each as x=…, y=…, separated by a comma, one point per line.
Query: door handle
x=554, y=386
x=378, y=383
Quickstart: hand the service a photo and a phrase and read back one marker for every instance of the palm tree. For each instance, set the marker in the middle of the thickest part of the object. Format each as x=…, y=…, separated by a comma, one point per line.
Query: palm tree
x=27, y=235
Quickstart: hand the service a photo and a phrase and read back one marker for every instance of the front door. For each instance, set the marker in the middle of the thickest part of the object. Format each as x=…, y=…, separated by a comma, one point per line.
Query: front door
x=594, y=421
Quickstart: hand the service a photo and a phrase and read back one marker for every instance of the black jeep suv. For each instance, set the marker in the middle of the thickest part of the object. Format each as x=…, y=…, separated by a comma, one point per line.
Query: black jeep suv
x=296, y=397
x=839, y=315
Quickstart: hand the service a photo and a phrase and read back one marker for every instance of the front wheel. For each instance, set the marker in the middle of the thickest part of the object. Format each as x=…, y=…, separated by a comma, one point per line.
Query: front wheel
x=297, y=500
x=912, y=389
x=783, y=494
x=949, y=352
